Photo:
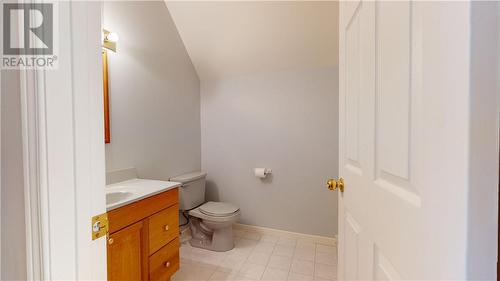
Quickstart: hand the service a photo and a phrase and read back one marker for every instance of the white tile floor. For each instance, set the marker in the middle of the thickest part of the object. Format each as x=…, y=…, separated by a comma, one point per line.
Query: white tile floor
x=259, y=257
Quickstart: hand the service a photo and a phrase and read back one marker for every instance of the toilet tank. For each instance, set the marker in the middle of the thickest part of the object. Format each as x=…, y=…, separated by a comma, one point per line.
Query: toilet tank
x=192, y=191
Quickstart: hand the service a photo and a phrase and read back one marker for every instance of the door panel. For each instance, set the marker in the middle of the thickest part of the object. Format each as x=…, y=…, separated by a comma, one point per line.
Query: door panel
x=393, y=91
x=384, y=270
x=352, y=100
x=400, y=154
x=351, y=236
x=353, y=133
x=395, y=135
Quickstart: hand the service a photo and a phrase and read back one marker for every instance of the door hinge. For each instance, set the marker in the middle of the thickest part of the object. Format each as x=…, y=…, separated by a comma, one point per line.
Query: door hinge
x=100, y=226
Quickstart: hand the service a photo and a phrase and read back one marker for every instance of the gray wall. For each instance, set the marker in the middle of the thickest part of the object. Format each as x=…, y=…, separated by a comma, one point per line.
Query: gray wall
x=286, y=121
x=13, y=243
x=154, y=93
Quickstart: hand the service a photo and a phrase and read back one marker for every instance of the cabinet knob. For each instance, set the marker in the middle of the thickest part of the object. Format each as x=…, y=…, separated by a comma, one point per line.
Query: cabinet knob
x=110, y=241
x=166, y=227
x=167, y=264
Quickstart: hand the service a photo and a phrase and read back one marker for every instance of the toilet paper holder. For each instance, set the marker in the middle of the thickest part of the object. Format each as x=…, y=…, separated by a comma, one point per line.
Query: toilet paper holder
x=262, y=172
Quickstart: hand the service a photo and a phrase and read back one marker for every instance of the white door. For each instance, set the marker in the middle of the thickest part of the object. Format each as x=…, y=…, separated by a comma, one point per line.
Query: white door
x=63, y=140
x=404, y=132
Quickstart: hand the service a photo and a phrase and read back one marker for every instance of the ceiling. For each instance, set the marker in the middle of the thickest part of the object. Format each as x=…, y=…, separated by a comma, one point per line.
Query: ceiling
x=234, y=38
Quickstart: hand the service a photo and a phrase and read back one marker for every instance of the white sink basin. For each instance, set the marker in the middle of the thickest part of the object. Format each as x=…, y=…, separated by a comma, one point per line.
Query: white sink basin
x=122, y=193
x=116, y=196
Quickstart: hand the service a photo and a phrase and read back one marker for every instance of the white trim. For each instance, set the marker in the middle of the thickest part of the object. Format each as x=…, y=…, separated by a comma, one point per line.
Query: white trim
x=35, y=172
x=63, y=152
x=270, y=231
x=1, y=173
x=32, y=148
x=186, y=234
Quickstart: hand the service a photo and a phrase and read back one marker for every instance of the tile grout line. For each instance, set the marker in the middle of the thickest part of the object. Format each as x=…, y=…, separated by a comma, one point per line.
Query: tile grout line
x=253, y=245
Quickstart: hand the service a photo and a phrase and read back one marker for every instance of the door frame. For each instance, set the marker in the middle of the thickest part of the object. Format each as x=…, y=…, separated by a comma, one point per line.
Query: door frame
x=484, y=121
x=63, y=150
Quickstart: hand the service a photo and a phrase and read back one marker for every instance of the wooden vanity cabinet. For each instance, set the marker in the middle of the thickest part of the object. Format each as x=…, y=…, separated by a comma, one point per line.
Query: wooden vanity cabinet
x=143, y=242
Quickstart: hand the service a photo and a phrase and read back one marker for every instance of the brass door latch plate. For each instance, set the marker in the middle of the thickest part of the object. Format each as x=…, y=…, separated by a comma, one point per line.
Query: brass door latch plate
x=100, y=226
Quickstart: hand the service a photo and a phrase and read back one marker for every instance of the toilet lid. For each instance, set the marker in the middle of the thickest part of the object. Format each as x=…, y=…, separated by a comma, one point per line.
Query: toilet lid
x=218, y=209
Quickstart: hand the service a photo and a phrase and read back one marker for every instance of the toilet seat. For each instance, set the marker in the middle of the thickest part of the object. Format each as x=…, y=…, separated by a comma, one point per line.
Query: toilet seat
x=230, y=218
x=218, y=209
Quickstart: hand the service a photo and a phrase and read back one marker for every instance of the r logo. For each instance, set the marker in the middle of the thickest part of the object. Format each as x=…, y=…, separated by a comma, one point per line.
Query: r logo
x=28, y=29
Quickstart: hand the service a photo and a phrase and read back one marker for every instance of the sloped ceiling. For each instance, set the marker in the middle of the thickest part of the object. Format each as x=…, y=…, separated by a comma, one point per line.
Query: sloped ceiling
x=234, y=38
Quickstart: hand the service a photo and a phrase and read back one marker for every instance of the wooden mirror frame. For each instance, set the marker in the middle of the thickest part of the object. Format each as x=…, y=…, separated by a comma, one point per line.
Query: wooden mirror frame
x=107, y=135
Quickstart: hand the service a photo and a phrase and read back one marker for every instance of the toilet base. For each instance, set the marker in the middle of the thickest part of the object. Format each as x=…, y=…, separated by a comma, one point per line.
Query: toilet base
x=219, y=239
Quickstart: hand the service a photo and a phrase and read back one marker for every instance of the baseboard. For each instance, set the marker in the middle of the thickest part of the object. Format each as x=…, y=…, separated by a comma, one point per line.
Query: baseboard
x=265, y=230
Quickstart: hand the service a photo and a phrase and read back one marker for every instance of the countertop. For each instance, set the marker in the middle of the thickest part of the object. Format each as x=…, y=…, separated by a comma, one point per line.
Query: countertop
x=134, y=190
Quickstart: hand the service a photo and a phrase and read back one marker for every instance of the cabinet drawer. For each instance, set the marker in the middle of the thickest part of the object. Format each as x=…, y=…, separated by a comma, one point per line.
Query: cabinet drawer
x=163, y=228
x=165, y=262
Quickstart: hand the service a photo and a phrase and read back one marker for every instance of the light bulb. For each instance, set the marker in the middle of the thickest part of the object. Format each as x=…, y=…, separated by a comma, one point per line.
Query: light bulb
x=112, y=37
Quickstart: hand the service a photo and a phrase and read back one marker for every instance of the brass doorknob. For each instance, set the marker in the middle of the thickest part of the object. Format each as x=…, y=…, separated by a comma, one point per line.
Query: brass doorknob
x=334, y=184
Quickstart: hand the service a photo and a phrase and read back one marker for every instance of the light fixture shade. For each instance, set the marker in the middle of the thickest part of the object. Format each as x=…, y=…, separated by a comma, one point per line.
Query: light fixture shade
x=112, y=37
x=109, y=40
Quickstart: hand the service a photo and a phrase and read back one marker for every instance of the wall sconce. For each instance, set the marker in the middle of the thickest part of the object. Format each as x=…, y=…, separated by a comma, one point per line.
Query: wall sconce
x=109, y=40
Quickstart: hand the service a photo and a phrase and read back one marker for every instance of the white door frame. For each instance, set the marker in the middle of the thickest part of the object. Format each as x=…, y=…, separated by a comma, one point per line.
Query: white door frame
x=63, y=151
x=484, y=123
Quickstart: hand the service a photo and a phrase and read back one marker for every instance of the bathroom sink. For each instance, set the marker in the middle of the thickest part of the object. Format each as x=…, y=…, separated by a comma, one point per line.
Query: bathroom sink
x=116, y=196
x=129, y=191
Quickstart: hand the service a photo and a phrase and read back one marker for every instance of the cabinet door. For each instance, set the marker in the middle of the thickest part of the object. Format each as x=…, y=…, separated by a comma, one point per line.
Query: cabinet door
x=125, y=253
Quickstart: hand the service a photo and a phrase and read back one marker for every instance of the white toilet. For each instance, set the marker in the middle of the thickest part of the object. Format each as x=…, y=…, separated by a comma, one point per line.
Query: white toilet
x=211, y=223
